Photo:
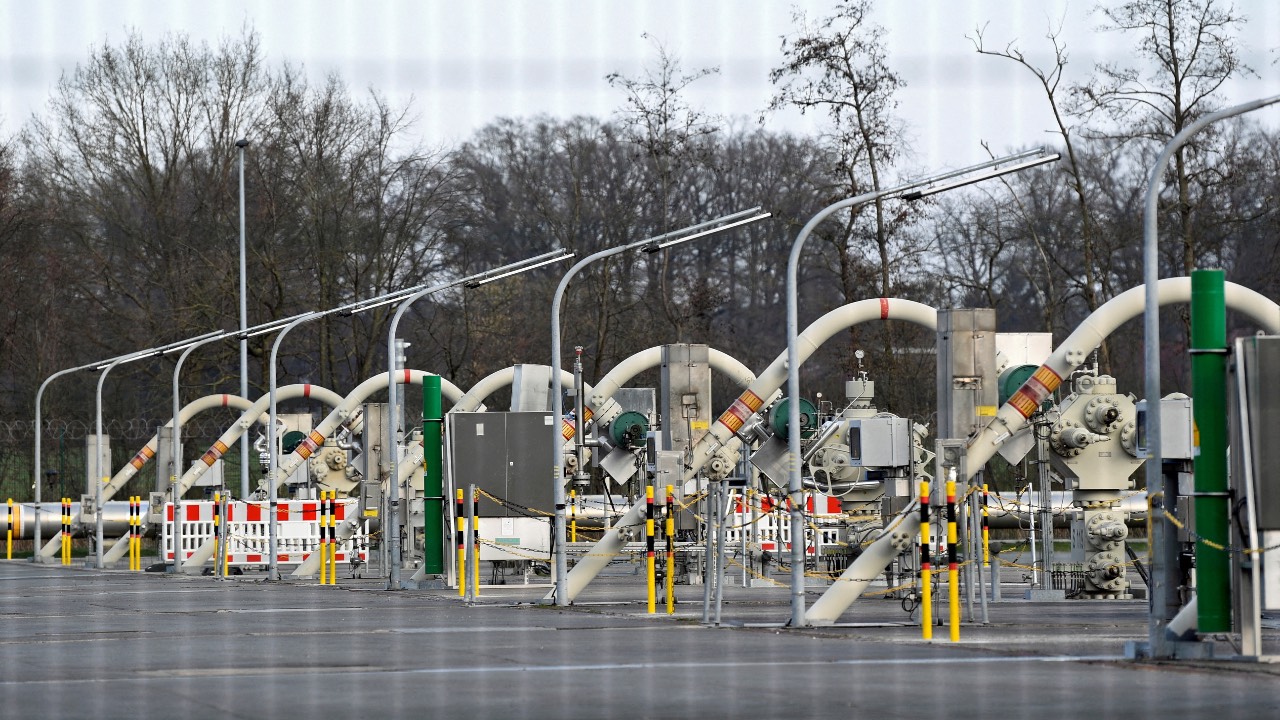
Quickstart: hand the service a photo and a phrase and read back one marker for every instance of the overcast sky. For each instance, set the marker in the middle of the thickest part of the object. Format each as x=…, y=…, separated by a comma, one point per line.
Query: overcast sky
x=465, y=63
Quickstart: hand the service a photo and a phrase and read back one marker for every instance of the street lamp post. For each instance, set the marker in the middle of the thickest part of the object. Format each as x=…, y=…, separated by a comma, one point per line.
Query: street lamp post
x=244, y=339
x=97, y=460
x=1165, y=600
x=175, y=451
x=910, y=191
x=393, y=534
x=653, y=244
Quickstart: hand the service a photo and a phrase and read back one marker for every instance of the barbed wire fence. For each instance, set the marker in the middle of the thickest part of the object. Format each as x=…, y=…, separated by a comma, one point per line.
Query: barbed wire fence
x=64, y=460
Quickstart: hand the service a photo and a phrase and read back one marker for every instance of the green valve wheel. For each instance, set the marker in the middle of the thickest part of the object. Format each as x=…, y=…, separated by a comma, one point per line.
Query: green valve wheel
x=629, y=430
x=1013, y=378
x=291, y=441
x=808, y=418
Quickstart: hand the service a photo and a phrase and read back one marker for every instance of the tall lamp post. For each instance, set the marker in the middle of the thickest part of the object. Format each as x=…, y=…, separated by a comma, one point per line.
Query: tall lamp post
x=175, y=451
x=908, y=191
x=651, y=245
x=97, y=460
x=244, y=339
x=1164, y=600
x=393, y=534
x=36, y=556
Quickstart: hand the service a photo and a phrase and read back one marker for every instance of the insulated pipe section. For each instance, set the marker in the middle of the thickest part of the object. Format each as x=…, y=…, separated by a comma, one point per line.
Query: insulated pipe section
x=250, y=416
x=252, y=412
x=622, y=373
x=346, y=408
x=899, y=536
x=148, y=451
x=1073, y=351
x=772, y=379
x=721, y=435
x=473, y=400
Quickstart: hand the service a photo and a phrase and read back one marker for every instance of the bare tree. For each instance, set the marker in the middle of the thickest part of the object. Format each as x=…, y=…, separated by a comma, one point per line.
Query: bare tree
x=1190, y=51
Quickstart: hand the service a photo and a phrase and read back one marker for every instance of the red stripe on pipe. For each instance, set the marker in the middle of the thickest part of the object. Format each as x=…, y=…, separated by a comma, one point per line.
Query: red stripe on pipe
x=306, y=390
x=884, y=308
x=408, y=376
x=226, y=399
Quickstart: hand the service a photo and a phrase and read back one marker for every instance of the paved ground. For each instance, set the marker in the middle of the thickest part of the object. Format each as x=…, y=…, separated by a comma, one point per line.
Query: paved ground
x=84, y=643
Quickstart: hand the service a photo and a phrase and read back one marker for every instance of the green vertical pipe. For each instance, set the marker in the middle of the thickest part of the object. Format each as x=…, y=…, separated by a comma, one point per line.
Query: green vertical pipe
x=433, y=481
x=1209, y=388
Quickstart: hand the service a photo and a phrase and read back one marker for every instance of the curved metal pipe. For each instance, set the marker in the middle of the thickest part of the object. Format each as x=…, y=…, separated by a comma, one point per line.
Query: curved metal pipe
x=1086, y=338
x=752, y=399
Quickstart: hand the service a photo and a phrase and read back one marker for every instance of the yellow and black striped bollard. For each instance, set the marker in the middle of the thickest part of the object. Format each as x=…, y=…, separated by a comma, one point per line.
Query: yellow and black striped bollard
x=132, y=531
x=217, y=544
x=8, y=553
x=324, y=543
x=670, y=578
x=986, y=529
x=650, y=570
x=475, y=541
x=926, y=565
x=66, y=531
x=333, y=537
x=953, y=567
x=461, y=534
x=573, y=515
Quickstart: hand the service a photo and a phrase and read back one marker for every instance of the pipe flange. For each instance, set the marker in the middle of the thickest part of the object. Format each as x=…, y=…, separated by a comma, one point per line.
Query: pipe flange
x=1106, y=572
x=1056, y=441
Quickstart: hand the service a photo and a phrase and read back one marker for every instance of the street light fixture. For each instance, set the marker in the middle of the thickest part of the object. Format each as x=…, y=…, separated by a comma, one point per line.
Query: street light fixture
x=907, y=192
x=473, y=281
x=97, y=460
x=176, y=446
x=1165, y=599
x=652, y=244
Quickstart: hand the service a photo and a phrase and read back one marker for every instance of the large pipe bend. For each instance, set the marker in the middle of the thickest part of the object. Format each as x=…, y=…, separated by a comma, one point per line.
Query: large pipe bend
x=1073, y=351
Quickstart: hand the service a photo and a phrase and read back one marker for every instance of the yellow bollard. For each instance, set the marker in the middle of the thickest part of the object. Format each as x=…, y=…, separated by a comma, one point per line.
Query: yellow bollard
x=953, y=567
x=650, y=570
x=217, y=544
x=333, y=537
x=66, y=531
x=460, y=512
x=573, y=515
x=132, y=531
x=670, y=580
x=926, y=566
x=986, y=529
x=9, y=540
x=324, y=543
x=475, y=527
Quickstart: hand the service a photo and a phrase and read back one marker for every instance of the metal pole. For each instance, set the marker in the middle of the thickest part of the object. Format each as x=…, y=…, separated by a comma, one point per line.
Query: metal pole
x=1164, y=601
x=708, y=548
x=557, y=388
x=464, y=576
x=273, y=450
x=176, y=459
x=722, y=513
x=97, y=466
x=795, y=487
x=244, y=323
x=1046, y=511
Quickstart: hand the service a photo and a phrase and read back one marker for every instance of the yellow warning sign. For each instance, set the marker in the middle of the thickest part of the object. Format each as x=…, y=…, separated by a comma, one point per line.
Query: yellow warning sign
x=986, y=411
x=699, y=425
